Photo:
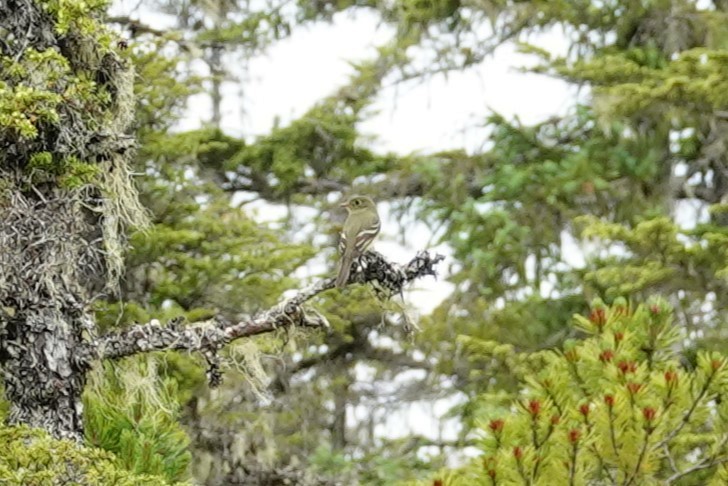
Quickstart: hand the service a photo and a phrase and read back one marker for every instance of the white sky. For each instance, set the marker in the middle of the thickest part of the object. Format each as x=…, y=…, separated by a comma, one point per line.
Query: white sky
x=439, y=114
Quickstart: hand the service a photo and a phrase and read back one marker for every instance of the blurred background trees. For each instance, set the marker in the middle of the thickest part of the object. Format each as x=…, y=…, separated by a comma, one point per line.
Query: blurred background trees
x=623, y=195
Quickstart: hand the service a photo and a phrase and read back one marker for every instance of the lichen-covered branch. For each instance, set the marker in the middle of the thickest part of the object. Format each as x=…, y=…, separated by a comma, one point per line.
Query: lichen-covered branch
x=210, y=336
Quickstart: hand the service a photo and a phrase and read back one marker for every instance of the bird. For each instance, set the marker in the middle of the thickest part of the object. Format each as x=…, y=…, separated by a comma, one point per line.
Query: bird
x=360, y=228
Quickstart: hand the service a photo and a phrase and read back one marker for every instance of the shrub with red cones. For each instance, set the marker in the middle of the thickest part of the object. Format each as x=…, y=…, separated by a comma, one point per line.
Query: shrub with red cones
x=620, y=406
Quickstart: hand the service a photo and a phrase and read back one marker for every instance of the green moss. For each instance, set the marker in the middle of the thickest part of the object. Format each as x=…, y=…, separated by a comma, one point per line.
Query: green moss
x=30, y=104
x=70, y=172
x=77, y=173
x=74, y=13
x=42, y=161
x=22, y=108
x=30, y=456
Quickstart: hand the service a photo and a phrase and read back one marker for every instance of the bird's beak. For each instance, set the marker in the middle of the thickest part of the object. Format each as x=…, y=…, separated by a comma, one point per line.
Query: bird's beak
x=345, y=204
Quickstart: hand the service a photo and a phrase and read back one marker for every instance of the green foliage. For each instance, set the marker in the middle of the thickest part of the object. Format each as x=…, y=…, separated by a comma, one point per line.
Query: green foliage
x=656, y=255
x=74, y=14
x=134, y=413
x=4, y=405
x=385, y=465
x=212, y=259
x=603, y=180
x=30, y=456
x=415, y=12
x=330, y=461
x=255, y=31
x=71, y=172
x=312, y=143
x=23, y=106
x=616, y=406
x=161, y=90
x=39, y=86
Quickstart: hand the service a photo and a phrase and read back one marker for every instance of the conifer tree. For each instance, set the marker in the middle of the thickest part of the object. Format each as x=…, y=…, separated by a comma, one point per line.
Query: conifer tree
x=617, y=406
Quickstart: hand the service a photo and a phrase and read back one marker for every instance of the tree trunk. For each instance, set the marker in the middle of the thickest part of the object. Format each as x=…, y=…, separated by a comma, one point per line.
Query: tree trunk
x=65, y=197
x=44, y=371
x=48, y=268
x=341, y=400
x=217, y=73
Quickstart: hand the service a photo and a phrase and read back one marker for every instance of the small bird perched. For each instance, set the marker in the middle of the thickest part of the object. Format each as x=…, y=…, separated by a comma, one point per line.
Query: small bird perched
x=360, y=228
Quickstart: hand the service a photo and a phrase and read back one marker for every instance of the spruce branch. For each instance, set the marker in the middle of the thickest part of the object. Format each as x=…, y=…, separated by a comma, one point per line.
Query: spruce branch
x=537, y=445
x=579, y=379
x=708, y=462
x=612, y=434
x=670, y=459
x=640, y=459
x=519, y=466
x=688, y=415
x=698, y=467
x=210, y=336
x=595, y=450
x=572, y=460
x=552, y=396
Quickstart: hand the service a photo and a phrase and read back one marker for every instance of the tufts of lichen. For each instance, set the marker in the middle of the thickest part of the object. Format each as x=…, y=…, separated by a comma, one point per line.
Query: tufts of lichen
x=132, y=410
x=66, y=106
x=246, y=358
x=120, y=208
x=47, y=248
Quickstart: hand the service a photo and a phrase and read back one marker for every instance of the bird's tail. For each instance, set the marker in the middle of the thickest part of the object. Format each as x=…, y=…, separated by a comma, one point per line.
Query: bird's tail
x=344, y=268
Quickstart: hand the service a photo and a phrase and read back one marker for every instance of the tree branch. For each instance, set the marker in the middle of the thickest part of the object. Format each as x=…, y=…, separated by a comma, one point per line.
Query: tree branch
x=281, y=382
x=136, y=27
x=706, y=463
x=686, y=417
x=395, y=185
x=210, y=336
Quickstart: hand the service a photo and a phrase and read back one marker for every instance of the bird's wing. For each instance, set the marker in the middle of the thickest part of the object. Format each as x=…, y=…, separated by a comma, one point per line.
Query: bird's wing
x=362, y=235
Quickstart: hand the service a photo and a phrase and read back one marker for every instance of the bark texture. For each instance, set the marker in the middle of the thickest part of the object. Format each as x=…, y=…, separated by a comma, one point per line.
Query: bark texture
x=43, y=318
x=60, y=232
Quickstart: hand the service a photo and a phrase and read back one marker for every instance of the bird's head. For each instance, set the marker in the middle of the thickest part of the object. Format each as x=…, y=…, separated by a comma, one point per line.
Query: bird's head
x=358, y=203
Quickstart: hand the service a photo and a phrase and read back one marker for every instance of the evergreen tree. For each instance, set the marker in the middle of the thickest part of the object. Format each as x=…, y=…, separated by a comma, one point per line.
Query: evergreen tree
x=615, y=407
